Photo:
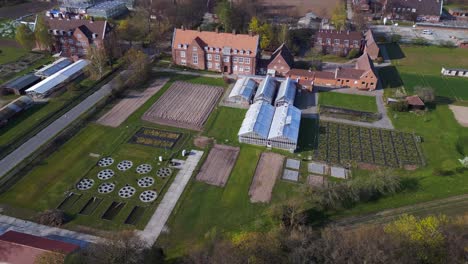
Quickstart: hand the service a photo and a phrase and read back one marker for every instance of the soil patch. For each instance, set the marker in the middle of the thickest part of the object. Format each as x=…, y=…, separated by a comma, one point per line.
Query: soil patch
x=461, y=114
x=202, y=142
x=218, y=165
x=268, y=170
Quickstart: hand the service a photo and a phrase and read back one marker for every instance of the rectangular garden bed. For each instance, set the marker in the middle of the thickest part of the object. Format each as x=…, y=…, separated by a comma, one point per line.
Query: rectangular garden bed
x=156, y=138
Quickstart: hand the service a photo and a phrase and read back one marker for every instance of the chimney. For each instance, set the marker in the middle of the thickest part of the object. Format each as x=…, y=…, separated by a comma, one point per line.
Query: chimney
x=182, y=27
x=91, y=20
x=234, y=32
x=250, y=33
x=347, y=32
x=336, y=72
x=199, y=29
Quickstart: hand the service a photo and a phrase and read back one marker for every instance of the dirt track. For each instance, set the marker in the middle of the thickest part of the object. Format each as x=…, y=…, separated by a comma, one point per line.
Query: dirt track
x=123, y=109
x=218, y=165
x=13, y=12
x=268, y=170
x=184, y=105
x=461, y=114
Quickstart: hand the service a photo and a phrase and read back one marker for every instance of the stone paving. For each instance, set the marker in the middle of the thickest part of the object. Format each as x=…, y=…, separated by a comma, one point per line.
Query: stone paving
x=8, y=223
x=157, y=222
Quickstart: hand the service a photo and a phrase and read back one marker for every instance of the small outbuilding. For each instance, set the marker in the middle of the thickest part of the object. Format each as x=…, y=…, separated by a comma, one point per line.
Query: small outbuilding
x=10, y=110
x=455, y=72
x=415, y=103
x=20, y=84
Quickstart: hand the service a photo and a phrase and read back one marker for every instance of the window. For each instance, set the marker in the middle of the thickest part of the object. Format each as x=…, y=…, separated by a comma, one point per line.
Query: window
x=247, y=60
x=195, y=58
x=217, y=65
x=319, y=40
x=182, y=54
x=235, y=68
x=234, y=59
x=78, y=35
x=247, y=69
x=72, y=49
x=226, y=58
x=210, y=65
x=356, y=43
x=183, y=62
x=241, y=60
x=241, y=68
x=217, y=57
x=328, y=41
x=70, y=41
x=337, y=41
x=195, y=49
x=346, y=43
x=371, y=83
x=208, y=57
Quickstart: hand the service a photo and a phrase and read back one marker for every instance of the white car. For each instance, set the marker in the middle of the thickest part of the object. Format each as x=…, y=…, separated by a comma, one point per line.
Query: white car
x=427, y=32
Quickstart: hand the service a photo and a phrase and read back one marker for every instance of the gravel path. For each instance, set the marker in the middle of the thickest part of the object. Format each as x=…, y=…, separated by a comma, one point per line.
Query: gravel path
x=461, y=114
x=158, y=221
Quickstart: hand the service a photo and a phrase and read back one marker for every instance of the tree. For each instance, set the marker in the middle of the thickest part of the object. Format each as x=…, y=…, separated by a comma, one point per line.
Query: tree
x=400, y=106
x=353, y=53
x=423, y=237
x=139, y=64
x=359, y=21
x=41, y=33
x=338, y=17
x=426, y=94
x=283, y=35
x=24, y=36
x=224, y=12
x=290, y=213
x=98, y=59
x=254, y=25
x=54, y=217
x=266, y=35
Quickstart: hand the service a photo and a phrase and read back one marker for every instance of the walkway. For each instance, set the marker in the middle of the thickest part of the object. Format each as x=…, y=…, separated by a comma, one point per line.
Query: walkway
x=8, y=223
x=157, y=222
x=191, y=73
x=34, y=143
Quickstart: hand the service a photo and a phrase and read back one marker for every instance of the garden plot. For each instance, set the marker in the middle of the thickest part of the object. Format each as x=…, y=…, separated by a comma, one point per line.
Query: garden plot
x=8, y=69
x=268, y=170
x=155, y=138
x=218, y=165
x=344, y=144
x=184, y=105
x=125, y=107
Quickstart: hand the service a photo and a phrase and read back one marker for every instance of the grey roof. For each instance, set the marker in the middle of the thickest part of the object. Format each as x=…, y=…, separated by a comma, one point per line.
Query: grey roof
x=244, y=88
x=258, y=120
x=14, y=107
x=286, y=122
x=266, y=90
x=23, y=82
x=287, y=91
x=56, y=66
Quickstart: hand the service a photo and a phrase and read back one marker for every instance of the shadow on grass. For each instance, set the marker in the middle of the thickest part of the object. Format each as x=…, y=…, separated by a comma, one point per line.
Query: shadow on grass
x=394, y=51
x=390, y=77
x=409, y=184
x=308, y=134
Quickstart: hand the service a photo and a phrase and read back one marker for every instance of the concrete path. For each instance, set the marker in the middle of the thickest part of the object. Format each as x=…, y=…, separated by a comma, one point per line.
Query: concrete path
x=48, y=133
x=8, y=223
x=157, y=222
x=192, y=73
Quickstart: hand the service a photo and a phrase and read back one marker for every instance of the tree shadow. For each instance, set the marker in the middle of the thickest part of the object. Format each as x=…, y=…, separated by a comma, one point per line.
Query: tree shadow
x=394, y=51
x=308, y=134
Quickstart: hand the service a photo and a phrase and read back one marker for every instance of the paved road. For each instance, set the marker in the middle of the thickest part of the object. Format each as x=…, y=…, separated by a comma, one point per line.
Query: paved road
x=48, y=133
x=157, y=222
x=8, y=223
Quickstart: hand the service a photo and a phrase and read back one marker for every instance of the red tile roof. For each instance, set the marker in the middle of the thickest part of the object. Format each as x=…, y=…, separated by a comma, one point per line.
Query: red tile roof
x=371, y=47
x=216, y=40
x=38, y=242
x=353, y=74
x=341, y=35
x=88, y=27
x=414, y=100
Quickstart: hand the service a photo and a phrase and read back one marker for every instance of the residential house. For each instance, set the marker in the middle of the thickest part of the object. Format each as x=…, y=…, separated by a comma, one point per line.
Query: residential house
x=74, y=36
x=229, y=53
x=459, y=13
x=281, y=61
x=338, y=42
x=370, y=46
x=415, y=103
x=362, y=77
x=414, y=10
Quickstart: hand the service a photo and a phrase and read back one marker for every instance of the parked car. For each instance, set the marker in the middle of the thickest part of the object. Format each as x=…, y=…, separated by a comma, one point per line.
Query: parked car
x=427, y=32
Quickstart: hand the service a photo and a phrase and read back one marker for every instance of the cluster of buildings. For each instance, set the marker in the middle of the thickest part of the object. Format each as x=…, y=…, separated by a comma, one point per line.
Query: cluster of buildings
x=412, y=10
x=46, y=80
x=272, y=120
x=95, y=8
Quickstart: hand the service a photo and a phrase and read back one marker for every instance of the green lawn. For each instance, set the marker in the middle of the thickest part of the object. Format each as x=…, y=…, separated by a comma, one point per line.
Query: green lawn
x=44, y=186
x=348, y=101
x=10, y=54
x=224, y=124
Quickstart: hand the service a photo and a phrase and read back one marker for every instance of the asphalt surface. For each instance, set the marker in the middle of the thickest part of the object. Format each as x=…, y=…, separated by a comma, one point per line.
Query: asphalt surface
x=34, y=143
x=409, y=33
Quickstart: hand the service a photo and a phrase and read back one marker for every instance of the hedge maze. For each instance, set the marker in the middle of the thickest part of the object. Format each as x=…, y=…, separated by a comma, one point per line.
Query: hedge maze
x=344, y=144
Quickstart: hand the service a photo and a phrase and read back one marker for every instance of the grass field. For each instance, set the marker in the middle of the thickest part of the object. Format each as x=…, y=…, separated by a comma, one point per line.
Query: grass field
x=348, y=101
x=44, y=187
x=225, y=132
x=10, y=54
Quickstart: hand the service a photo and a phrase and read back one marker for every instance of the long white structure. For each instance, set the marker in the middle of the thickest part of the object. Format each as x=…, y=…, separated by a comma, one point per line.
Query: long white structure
x=266, y=91
x=243, y=91
x=256, y=125
x=284, y=131
x=455, y=72
x=57, y=80
x=286, y=93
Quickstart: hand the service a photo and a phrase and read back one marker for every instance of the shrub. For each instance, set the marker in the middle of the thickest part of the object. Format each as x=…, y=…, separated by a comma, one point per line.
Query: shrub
x=420, y=42
x=52, y=217
x=447, y=44
x=353, y=54
x=426, y=94
x=395, y=38
x=400, y=106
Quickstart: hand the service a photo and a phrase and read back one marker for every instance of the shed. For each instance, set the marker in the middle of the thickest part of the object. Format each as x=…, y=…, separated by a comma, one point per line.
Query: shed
x=54, y=67
x=20, y=84
x=414, y=102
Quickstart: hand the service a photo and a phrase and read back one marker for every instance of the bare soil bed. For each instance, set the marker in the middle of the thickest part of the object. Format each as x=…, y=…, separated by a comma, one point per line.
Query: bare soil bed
x=461, y=114
x=123, y=109
x=218, y=165
x=184, y=105
x=268, y=170
x=202, y=142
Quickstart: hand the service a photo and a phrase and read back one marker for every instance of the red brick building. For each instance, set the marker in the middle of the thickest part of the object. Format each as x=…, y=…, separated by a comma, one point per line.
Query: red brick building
x=73, y=36
x=362, y=77
x=338, y=42
x=215, y=51
x=281, y=62
x=413, y=10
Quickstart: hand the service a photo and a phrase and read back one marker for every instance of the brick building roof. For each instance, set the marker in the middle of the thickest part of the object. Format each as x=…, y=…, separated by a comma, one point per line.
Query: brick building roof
x=414, y=100
x=338, y=34
x=88, y=27
x=371, y=46
x=283, y=52
x=239, y=42
x=425, y=7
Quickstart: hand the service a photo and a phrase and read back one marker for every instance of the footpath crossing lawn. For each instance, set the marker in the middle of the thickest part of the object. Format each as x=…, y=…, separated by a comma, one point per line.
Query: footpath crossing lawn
x=348, y=101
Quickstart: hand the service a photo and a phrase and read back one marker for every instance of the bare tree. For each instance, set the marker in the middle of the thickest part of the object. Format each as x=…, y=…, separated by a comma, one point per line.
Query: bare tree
x=98, y=59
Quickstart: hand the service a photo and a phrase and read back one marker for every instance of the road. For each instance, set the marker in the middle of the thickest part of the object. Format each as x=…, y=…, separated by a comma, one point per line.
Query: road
x=34, y=143
x=451, y=206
